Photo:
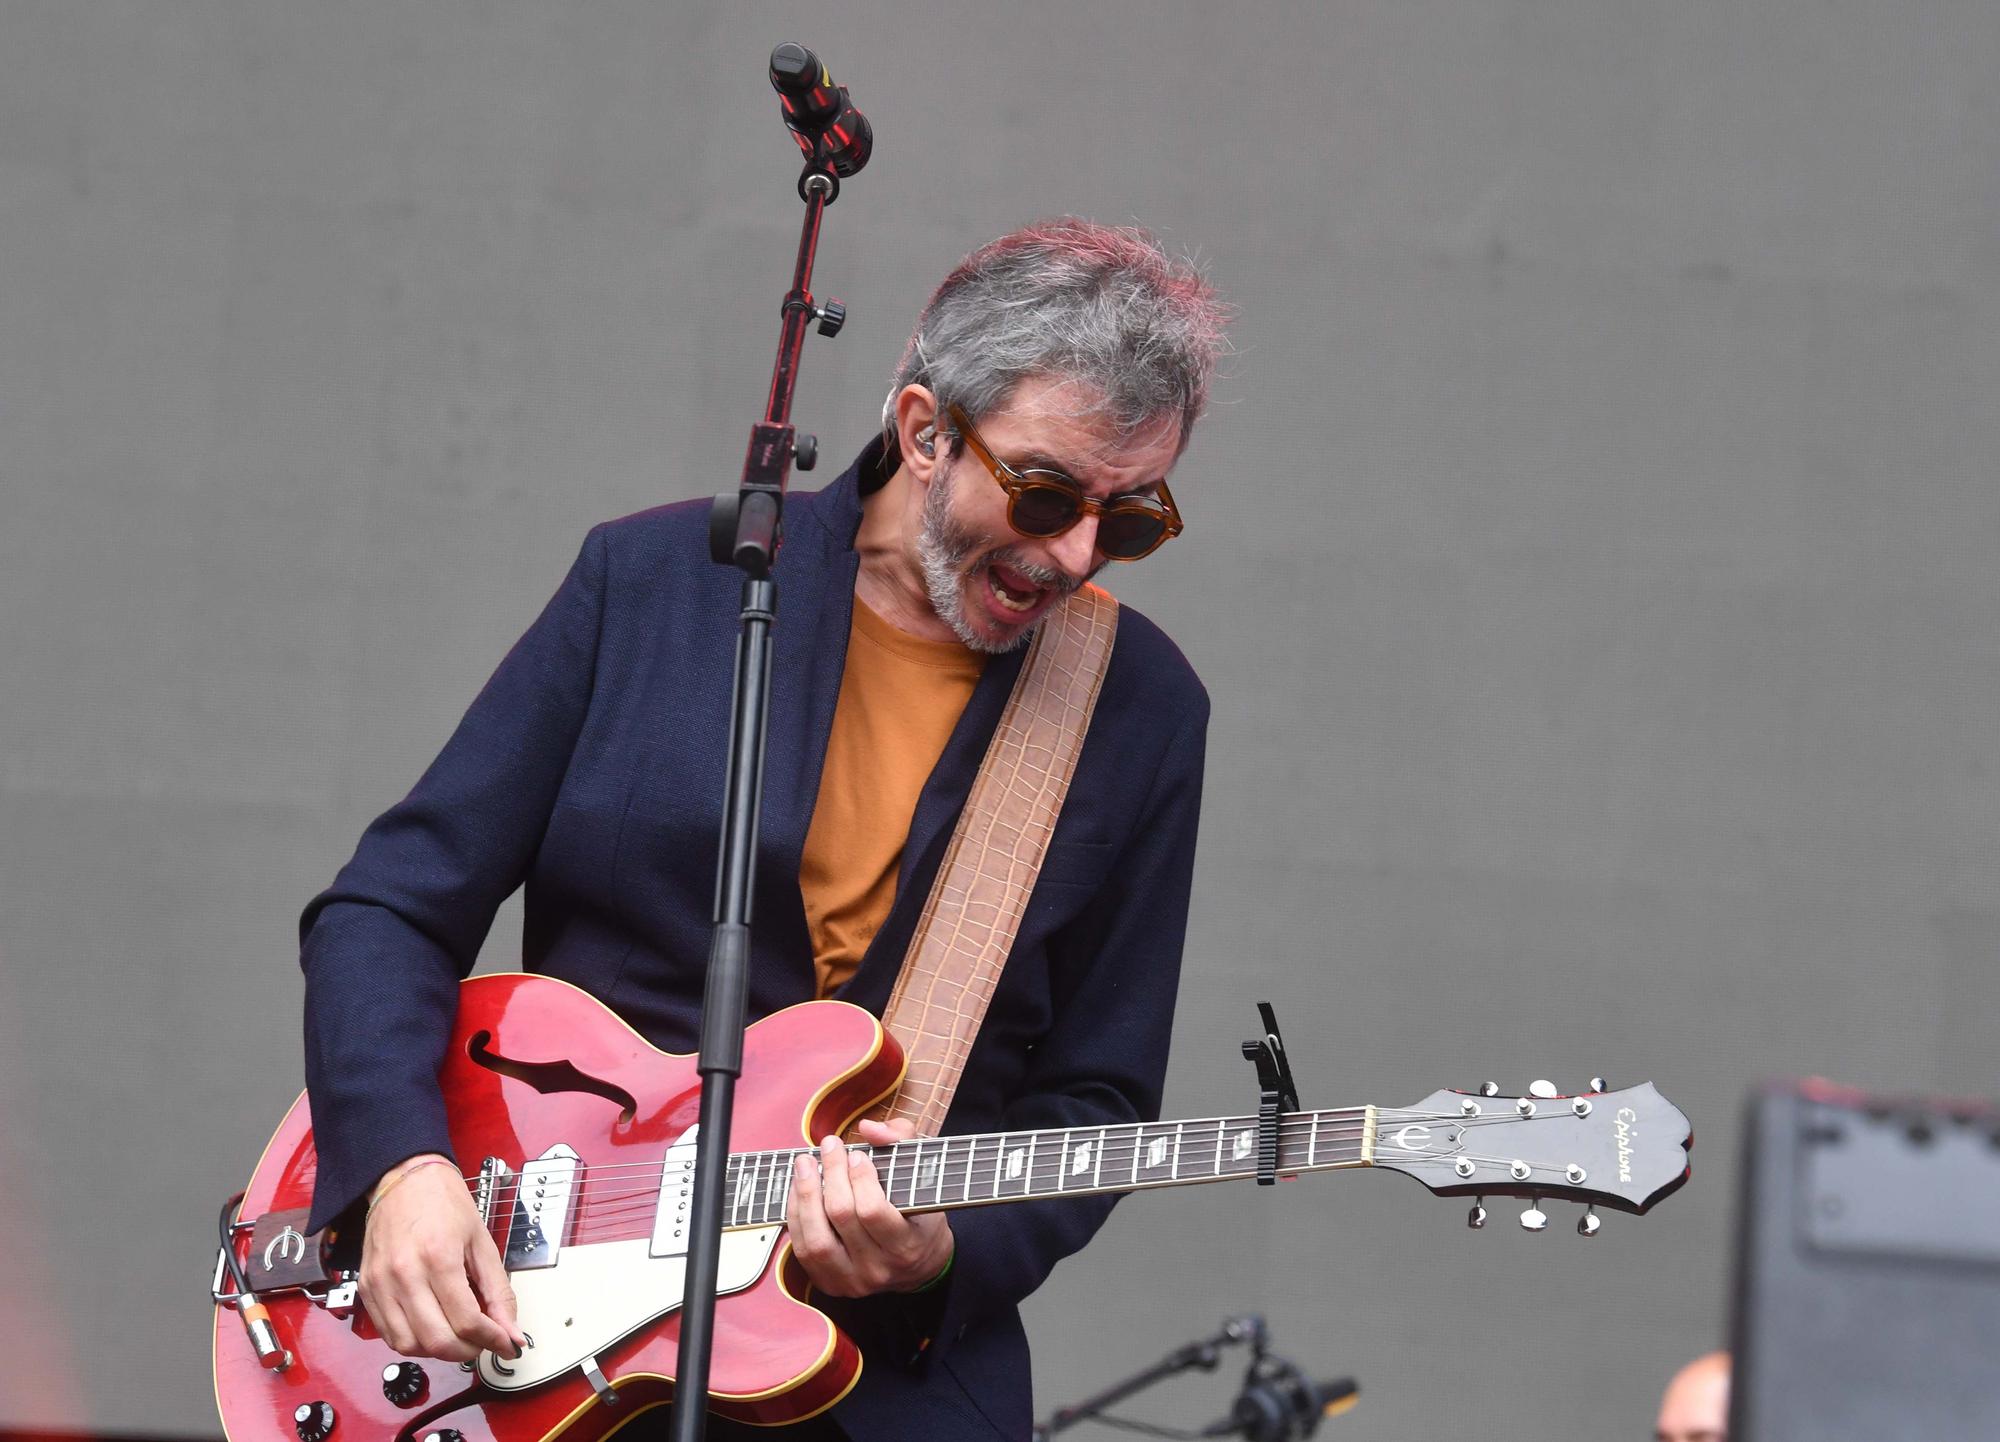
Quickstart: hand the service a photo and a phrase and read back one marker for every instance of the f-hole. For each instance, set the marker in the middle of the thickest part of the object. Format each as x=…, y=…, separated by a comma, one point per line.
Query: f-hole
x=549, y=1077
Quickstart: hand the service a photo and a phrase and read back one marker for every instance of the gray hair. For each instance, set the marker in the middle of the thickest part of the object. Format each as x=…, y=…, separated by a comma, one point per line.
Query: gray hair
x=1068, y=298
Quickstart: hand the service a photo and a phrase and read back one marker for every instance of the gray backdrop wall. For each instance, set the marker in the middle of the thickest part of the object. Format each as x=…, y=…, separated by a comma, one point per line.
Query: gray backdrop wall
x=1591, y=557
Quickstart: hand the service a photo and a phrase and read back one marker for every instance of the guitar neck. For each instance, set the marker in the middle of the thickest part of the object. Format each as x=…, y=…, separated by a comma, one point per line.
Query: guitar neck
x=932, y=1174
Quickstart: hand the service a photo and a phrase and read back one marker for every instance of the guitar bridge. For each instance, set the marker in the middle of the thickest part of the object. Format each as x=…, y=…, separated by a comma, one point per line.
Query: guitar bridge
x=493, y=1174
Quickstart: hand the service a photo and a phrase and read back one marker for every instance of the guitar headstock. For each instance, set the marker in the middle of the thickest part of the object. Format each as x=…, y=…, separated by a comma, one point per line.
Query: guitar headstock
x=1619, y=1149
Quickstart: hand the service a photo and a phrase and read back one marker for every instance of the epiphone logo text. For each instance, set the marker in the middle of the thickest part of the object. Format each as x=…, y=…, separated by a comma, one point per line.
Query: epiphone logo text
x=1627, y=1118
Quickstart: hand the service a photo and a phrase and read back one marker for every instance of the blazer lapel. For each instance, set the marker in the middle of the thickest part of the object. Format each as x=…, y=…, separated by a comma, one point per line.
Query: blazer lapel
x=815, y=576
x=815, y=609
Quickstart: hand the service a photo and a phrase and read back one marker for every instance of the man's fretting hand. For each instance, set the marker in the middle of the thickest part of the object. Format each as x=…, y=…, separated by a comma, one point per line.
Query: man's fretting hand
x=430, y=1274
x=845, y=1233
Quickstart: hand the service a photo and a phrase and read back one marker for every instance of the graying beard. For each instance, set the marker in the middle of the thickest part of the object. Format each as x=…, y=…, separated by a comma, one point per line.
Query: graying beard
x=943, y=549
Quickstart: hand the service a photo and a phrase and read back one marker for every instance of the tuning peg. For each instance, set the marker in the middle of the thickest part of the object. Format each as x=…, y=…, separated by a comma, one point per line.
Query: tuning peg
x=1597, y=1083
x=1476, y=1218
x=1587, y=1225
x=1489, y=1089
x=1534, y=1219
x=1546, y=1090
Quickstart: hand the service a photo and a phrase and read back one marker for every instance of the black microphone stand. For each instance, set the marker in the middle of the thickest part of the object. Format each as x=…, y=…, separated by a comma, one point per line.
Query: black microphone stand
x=1204, y=1354
x=744, y=531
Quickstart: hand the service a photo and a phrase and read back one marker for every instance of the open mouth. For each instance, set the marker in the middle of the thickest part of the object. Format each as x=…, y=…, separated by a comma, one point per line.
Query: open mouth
x=1015, y=591
x=1014, y=595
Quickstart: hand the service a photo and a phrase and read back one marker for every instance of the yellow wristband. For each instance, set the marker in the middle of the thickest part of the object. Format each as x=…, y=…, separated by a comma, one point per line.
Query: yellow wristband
x=391, y=1185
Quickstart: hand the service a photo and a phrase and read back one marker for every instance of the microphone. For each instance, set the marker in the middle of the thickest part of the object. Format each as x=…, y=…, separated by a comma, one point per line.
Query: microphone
x=818, y=112
x=1278, y=1403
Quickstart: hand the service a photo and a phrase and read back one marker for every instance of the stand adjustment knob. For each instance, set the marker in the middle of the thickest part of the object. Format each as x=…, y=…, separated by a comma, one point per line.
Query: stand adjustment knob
x=313, y=1421
x=805, y=450
x=832, y=316
x=404, y=1383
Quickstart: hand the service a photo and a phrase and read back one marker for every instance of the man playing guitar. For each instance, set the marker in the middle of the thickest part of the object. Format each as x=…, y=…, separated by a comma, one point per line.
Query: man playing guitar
x=1049, y=387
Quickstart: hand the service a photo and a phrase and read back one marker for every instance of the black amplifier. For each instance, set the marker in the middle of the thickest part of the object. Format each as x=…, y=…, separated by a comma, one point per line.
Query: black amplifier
x=1867, y=1282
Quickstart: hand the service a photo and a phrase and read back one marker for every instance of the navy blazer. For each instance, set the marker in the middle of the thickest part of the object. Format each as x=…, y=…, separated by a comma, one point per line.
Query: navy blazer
x=590, y=770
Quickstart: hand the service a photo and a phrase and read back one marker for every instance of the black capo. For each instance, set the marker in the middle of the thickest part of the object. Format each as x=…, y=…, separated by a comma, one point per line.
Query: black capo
x=1277, y=1093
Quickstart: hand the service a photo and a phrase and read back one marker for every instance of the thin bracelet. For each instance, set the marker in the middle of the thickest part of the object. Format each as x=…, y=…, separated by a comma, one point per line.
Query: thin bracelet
x=935, y=1282
x=394, y=1181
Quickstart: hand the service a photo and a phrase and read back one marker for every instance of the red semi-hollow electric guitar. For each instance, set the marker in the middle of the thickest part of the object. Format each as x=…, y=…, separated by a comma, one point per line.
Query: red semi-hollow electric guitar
x=582, y=1136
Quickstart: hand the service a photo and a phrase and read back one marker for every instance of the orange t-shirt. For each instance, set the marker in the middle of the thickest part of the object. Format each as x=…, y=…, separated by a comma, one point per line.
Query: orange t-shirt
x=900, y=697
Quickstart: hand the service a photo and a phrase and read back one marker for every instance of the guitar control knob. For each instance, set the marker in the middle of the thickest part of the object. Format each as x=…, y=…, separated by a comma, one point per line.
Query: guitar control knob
x=313, y=1421
x=404, y=1383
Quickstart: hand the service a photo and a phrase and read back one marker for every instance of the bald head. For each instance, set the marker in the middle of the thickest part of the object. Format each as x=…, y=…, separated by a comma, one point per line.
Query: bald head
x=1696, y=1406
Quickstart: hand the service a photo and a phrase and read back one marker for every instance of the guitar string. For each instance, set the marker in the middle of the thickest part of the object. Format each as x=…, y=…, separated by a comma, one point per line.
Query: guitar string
x=960, y=1143
x=1122, y=1148
x=956, y=1156
x=636, y=1220
x=1290, y=1125
x=1047, y=1170
x=1117, y=1150
x=611, y=1216
x=601, y=1222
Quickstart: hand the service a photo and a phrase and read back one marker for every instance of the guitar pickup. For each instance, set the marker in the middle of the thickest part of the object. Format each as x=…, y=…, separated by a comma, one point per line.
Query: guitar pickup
x=676, y=1205
x=539, y=1219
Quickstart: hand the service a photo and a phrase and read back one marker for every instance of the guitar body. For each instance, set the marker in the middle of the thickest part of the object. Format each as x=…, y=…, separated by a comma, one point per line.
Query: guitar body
x=533, y=1065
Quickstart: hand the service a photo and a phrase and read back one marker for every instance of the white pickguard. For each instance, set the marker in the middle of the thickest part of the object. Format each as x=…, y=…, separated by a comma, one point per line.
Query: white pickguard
x=599, y=1292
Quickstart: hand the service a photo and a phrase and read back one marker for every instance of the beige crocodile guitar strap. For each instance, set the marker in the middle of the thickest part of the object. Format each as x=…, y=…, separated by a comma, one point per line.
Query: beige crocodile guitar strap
x=975, y=906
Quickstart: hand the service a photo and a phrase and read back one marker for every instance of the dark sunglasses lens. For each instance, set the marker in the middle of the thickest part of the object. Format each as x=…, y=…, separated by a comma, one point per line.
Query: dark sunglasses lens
x=1044, y=509
x=1130, y=532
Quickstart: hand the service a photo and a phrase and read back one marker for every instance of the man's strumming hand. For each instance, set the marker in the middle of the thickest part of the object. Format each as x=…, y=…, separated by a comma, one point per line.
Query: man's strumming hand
x=431, y=1276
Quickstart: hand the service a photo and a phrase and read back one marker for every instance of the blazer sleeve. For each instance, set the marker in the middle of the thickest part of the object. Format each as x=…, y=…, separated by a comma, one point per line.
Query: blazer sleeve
x=384, y=947
x=1104, y=1060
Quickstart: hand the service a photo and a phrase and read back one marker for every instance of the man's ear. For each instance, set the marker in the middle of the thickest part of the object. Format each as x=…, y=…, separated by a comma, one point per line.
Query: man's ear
x=916, y=433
